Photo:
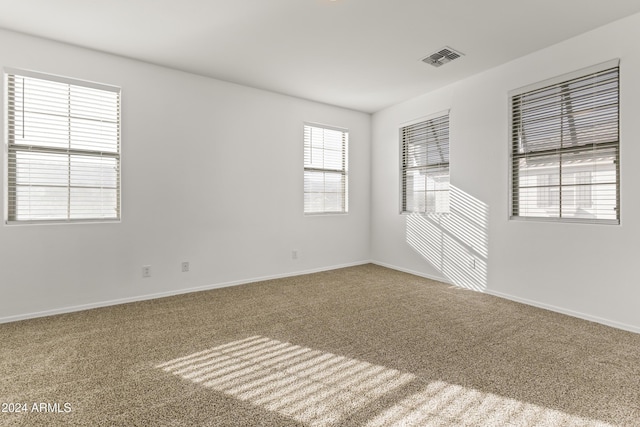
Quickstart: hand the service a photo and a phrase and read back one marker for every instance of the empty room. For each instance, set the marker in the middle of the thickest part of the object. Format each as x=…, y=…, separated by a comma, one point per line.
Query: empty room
x=320, y=213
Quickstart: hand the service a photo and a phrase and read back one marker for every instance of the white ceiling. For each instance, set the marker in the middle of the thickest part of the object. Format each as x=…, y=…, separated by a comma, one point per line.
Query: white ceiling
x=359, y=54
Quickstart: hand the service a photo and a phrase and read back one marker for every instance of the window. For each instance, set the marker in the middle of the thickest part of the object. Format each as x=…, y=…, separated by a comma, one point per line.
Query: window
x=63, y=149
x=565, y=148
x=425, y=165
x=325, y=169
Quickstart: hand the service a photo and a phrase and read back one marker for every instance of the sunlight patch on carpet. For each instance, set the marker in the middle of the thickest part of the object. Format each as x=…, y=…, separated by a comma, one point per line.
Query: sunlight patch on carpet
x=444, y=404
x=310, y=386
x=322, y=389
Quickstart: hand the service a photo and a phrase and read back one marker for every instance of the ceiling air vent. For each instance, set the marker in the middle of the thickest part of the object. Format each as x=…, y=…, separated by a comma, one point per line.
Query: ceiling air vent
x=441, y=57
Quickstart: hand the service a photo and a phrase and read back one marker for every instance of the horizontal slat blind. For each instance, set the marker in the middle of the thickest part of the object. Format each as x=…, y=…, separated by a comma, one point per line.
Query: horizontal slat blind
x=325, y=169
x=565, y=149
x=63, y=150
x=425, y=166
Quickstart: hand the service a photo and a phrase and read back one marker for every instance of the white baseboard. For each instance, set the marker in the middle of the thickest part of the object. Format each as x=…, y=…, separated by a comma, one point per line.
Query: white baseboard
x=415, y=273
x=561, y=310
x=71, y=309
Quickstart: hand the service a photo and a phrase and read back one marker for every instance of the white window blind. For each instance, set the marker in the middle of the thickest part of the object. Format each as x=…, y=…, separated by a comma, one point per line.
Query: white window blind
x=325, y=169
x=425, y=166
x=63, y=149
x=565, y=148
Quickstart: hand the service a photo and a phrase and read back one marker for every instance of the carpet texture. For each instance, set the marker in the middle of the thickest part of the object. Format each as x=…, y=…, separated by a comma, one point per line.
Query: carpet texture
x=360, y=346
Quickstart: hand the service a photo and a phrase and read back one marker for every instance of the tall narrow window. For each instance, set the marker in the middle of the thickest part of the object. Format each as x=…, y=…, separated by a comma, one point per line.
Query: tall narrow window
x=425, y=165
x=63, y=149
x=325, y=169
x=565, y=147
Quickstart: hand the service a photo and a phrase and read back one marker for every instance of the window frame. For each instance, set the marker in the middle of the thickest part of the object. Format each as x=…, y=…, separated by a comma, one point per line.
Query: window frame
x=512, y=188
x=344, y=170
x=11, y=148
x=402, y=184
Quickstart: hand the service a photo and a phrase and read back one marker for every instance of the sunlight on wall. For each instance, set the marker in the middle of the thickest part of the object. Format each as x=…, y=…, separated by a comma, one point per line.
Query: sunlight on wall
x=322, y=389
x=444, y=404
x=307, y=385
x=457, y=244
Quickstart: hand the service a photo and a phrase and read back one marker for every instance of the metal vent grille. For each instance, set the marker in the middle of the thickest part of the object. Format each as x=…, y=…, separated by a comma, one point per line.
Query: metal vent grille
x=441, y=57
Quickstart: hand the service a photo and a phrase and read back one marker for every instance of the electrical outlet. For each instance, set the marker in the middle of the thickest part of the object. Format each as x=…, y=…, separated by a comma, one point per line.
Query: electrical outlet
x=185, y=267
x=472, y=262
x=294, y=254
x=146, y=271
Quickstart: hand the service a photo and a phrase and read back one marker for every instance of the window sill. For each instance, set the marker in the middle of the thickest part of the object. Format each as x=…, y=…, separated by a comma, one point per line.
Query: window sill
x=565, y=220
x=62, y=222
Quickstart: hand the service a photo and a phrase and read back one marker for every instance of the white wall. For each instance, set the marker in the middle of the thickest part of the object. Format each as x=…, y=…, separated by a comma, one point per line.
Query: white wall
x=211, y=174
x=585, y=270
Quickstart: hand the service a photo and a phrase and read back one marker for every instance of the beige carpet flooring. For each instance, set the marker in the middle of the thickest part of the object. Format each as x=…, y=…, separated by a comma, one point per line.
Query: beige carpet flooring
x=360, y=346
